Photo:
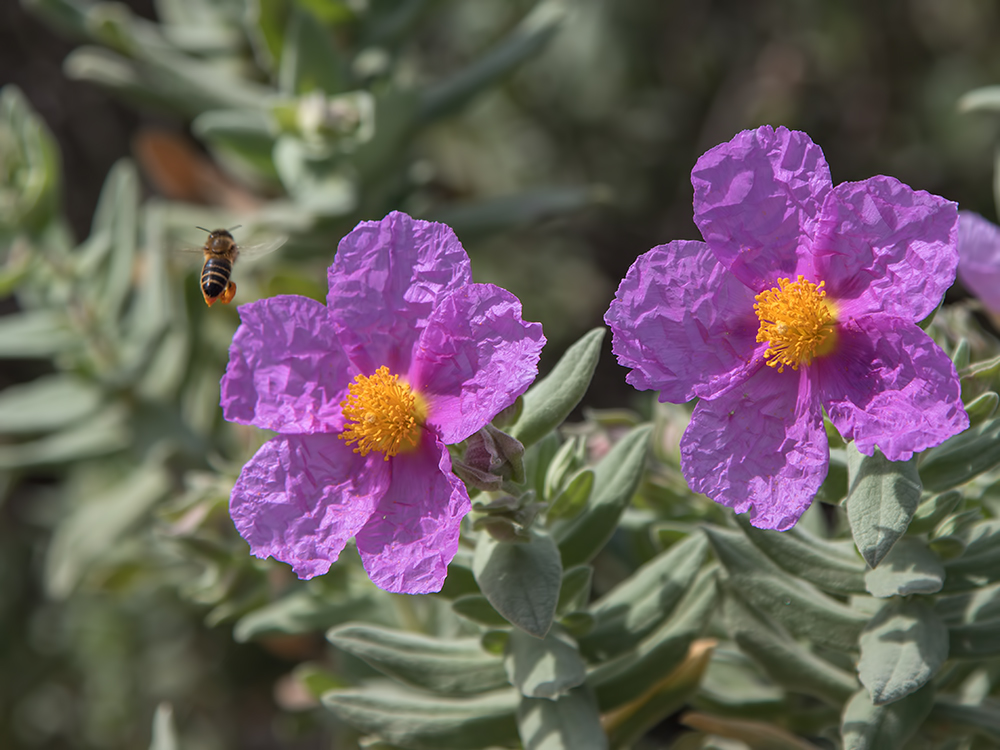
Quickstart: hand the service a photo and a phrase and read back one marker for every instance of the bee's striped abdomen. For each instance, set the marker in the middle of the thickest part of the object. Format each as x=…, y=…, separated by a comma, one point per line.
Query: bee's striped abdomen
x=215, y=278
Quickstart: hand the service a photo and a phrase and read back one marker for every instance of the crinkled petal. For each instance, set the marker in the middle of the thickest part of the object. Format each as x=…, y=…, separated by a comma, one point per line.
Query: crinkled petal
x=682, y=322
x=760, y=446
x=757, y=199
x=301, y=497
x=385, y=280
x=475, y=357
x=889, y=385
x=884, y=247
x=287, y=371
x=413, y=535
x=979, y=258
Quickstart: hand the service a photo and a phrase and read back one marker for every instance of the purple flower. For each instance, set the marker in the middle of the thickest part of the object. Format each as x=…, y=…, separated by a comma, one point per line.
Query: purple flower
x=804, y=296
x=979, y=258
x=365, y=392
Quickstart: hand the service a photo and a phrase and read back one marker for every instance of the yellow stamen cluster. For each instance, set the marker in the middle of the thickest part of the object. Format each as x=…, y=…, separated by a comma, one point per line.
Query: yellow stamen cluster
x=382, y=414
x=797, y=322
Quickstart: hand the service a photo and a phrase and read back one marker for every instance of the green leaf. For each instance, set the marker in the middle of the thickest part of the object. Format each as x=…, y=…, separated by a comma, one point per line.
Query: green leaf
x=423, y=722
x=616, y=478
x=572, y=500
x=36, y=333
x=308, y=58
x=528, y=39
x=628, y=676
x=47, y=403
x=521, y=581
x=543, y=668
x=575, y=591
x=909, y=568
x=571, y=722
x=637, y=605
x=881, y=501
x=826, y=565
x=550, y=400
x=456, y=666
x=902, y=648
x=803, y=609
x=29, y=191
x=318, y=183
x=954, y=718
x=302, y=611
x=977, y=640
x=959, y=459
x=565, y=462
x=934, y=510
x=979, y=563
x=92, y=529
x=865, y=726
x=786, y=661
x=477, y=608
x=104, y=433
x=244, y=135
x=982, y=408
x=986, y=98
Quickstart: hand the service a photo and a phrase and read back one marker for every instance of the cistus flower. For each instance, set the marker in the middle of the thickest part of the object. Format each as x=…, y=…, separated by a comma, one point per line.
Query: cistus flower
x=406, y=357
x=804, y=296
x=979, y=258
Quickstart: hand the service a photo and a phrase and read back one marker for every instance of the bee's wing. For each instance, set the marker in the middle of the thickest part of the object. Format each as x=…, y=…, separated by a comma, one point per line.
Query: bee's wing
x=262, y=246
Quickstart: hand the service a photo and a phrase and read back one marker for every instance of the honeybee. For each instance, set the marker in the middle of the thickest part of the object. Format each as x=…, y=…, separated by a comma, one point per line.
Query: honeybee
x=221, y=251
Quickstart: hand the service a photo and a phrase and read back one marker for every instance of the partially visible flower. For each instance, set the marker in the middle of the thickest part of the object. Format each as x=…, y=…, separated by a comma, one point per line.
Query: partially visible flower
x=365, y=392
x=979, y=258
x=804, y=296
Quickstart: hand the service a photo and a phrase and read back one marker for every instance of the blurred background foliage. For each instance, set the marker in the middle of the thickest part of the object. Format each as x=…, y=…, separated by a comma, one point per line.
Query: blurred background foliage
x=557, y=139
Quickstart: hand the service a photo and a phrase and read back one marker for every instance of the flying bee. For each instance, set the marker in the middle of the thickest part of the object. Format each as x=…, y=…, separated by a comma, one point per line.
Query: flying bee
x=221, y=251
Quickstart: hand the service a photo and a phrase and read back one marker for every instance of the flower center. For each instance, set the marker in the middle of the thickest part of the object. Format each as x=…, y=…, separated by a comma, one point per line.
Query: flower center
x=797, y=322
x=383, y=414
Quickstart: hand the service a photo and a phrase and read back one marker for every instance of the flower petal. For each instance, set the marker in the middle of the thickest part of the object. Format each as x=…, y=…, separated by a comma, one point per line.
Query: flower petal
x=413, y=534
x=757, y=199
x=475, y=357
x=385, y=280
x=979, y=258
x=286, y=371
x=301, y=497
x=759, y=447
x=889, y=385
x=884, y=247
x=682, y=322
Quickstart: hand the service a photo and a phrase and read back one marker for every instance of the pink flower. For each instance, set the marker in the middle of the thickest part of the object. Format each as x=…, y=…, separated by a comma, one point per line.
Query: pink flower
x=979, y=258
x=804, y=296
x=365, y=392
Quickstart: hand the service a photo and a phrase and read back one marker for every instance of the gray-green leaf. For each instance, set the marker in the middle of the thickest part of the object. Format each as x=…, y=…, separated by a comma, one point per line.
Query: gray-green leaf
x=865, y=726
x=571, y=722
x=909, y=568
x=543, y=668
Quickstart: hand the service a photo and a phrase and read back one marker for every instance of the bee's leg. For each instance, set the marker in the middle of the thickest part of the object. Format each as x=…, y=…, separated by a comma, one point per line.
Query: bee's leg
x=227, y=296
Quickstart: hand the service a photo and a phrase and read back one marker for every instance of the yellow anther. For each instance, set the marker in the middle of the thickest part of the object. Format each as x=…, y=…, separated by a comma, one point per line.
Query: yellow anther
x=797, y=322
x=382, y=414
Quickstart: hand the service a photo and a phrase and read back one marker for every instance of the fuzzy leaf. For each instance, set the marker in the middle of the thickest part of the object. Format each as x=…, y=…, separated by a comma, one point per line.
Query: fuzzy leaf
x=543, y=668
x=824, y=564
x=570, y=722
x=477, y=608
x=882, y=498
x=302, y=611
x=934, y=510
x=456, y=666
x=633, y=608
x=909, y=568
x=36, y=333
x=575, y=591
x=902, y=648
x=628, y=676
x=780, y=655
x=308, y=58
x=616, y=478
x=521, y=581
x=550, y=400
x=959, y=459
x=800, y=607
x=983, y=720
x=47, y=403
x=865, y=726
x=573, y=499
x=422, y=722
x=979, y=563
